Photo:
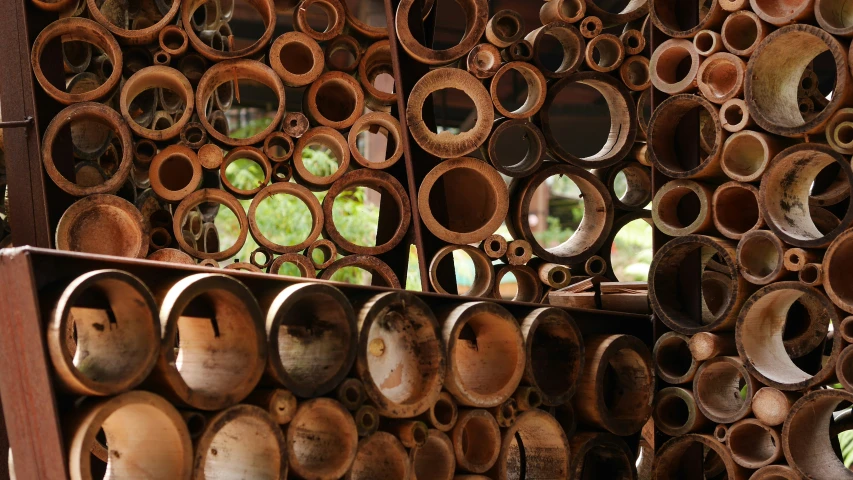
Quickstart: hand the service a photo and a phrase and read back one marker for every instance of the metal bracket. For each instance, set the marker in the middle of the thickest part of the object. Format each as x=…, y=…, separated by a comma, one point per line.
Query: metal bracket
x=17, y=123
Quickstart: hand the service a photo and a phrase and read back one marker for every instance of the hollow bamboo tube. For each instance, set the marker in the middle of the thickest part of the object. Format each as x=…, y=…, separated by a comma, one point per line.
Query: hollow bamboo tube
x=666, y=14
x=366, y=420
x=734, y=116
x=571, y=42
x=754, y=445
x=719, y=389
x=664, y=67
x=505, y=28
x=721, y=432
x=569, y=11
x=483, y=61
x=812, y=275
x=736, y=211
x=494, y=246
x=411, y=433
x=675, y=412
x=545, y=449
x=771, y=406
x=295, y=124
x=705, y=345
x=806, y=435
x=322, y=440
x=591, y=26
x=633, y=40
x=280, y=404
x=442, y=414
x=707, y=42
x=672, y=457
x=797, y=258
x=610, y=53
x=435, y=459
x=760, y=255
x=555, y=354
x=505, y=413
x=844, y=368
x=480, y=456
x=742, y=32
x=846, y=330
x=795, y=11
x=634, y=73
x=747, y=154
x=721, y=76
x=350, y=393
x=527, y=398
x=666, y=212
x=380, y=456
x=672, y=359
x=662, y=127
x=600, y=455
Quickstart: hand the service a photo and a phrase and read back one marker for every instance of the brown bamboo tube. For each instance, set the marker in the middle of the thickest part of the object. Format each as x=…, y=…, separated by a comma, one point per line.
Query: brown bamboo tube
x=261, y=258
x=760, y=255
x=796, y=258
x=671, y=216
x=159, y=238
x=545, y=451
x=771, y=406
x=778, y=65
x=835, y=283
x=351, y=393
x=243, y=267
x=159, y=445
x=742, y=31
x=665, y=14
x=278, y=147
x=787, y=181
x=192, y=66
x=280, y=404
x=484, y=273
x=635, y=73
x=521, y=51
x=675, y=412
x=721, y=433
x=162, y=58
x=144, y=151
x=399, y=380
x=796, y=11
x=707, y=42
x=476, y=17
x=535, y=90
x=551, y=274
x=611, y=53
x=479, y=456
x=762, y=323
x=435, y=459
x=595, y=266
x=775, y=472
x=747, y=154
x=282, y=172
x=754, y=445
x=118, y=321
x=494, y=246
x=838, y=131
x=734, y=115
x=175, y=173
x=241, y=441
x=673, y=361
x=193, y=134
x=335, y=15
x=662, y=131
x=328, y=252
x=527, y=398
x=382, y=273
x=571, y=41
x=171, y=255
x=812, y=275
x=82, y=30
x=735, y=209
x=365, y=30
x=103, y=224
x=485, y=370
x=634, y=41
x=173, y=40
x=380, y=457
x=161, y=77
x=518, y=252
x=51, y=6
x=505, y=413
x=256, y=156
x=528, y=286
x=411, y=433
x=513, y=129
x=376, y=61
x=833, y=16
x=717, y=387
x=806, y=435
x=600, y=455
x=671, y=459
x=629, y=363
x=334, y=100
x=322, y=440
x=483, y=61
x=505, y=28
x=265, y=10
x=442, y=414
x=720, y=77
x=555, y=354
x=207, y=262
x=846, y=330
x=568, y=11
x=295, y=124
x=381, y=122
x=297, y=59
x=223, y=72
x=210, y=195
x=447, y=146
x=366, y=420
x=352, y=53
x=639, y=186
x=591, y=26
x=324, y=137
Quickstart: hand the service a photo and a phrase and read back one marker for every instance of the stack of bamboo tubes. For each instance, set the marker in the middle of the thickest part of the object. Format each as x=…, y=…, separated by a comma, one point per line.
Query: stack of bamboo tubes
x=753, y=150
x=200, y=379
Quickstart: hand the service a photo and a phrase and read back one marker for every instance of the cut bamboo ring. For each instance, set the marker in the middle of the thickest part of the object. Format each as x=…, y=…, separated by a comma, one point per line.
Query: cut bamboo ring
x=83, y=30
x=375, y=62
x=528, y=287
x=301, y=262
x=759, y=335
x=232, y=70
x=753, y=444
x=623, y=403
x=484, y=273
x=521, y=51
x=173, y=40
x=786, y=190
x=839, y=131
x=593, y=230
x=323, y=137
x=623, y=120
x=601, y=455
x=778, y=65
x=244, y=440
x=175, y=173
x=117, y=339
x=245, y=153
x=295, y=124
x=634, y=41
x=87, y=112
x=135, y=36
x=485, y=371
x=639, y=186
x=377, y=121
x=667, y=16
x=308, y=356
x=635, y=73
x=721, y=76
x=545, y=451
x=669, y=213
x=672, y=458
x=159, y=447
x=505, y=28
x=300, y=193
x=435, y=459
x=347, y=44
x=484, y=212
x=442, y=414
x=673, y=361
x=591, y=26
x=666, y=119
x=664, y=67
x=536, y=89
x=476, y=18
x=835, y=267
x=297, y=59
x=376, y=267
x=335, y=17
x=380, y=456
x=844, y=368
x=568, y=11
x=707, y=42
x=736, y=210
x=209, y=195
x=479, y=456
x=611, y=53
x=334, y=100
x=806, y=437
x=445, y=144
x=105, y=225
x=265, y=9
x=760, y=255
x=777, y=14
x=366, y=30
x=747, y=154
x=834, y=17
x=278, y=147
x=571, y=41
x=533, y=157
x=742, y=32
x=483, y=61
x=322, y=440
x=555, y=354
x=171, y=255
x=675, y=412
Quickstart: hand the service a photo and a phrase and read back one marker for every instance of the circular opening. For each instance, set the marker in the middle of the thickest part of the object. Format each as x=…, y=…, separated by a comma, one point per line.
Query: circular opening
x=810, y=274
x=319, y=159
x=160, y=238
x=704, y=41
x=736, y=209
x=631, y=254
x=319, y=443
x=434, y=459
x=673, y=412
x=752, y=443
x=557, y=50
x=741, y=32
x=836, y=13
x=721, y=76
x=513, y=91
x=464, y=186
x=355, y=213
x=638, y=73
x=777, y=9
x=335, y=100
x=296, y=58
x=721, y=432
x=173, y=39
x=509, y=286
x=721, y=389
x=245, y=173
x=318, y=17
x=485, y=355
x=444, y=411
x=176, y=172
x=480, y=440
x=246, y=441
x=679, y=208
x=674, y=358
x=376, y=144
x=458, y=105
x=608, y=52
x=279, y=148
x=674, y=64
x=625, y=385
x=745, y=154
x=321, y=254
x=506, y=26
x=758, y=256
x=844, y=134
x=582, y=109
x=734, y=115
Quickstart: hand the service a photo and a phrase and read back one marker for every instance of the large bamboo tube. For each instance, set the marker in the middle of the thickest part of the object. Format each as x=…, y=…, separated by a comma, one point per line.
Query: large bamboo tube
x=322, y=440
x=806, y=435
x=617, y=387
x=663, y=128
x=675, y=412
x=476, y=17
x=760, y=256
x=754, y=445
x=771, y=406
x=399, y=354
x=212, y=248
x=478, y=456
x=571, y=42
x=311, y=337
x=485, y=353
x=675, y=459
x=484, y=271
x=380, y=457
x=669, y=212
x=747, y=154
x=834, y=16
x=555, y=354
x=667, y=14
x=706, y=345
x=103, y=224
x=534, y=447
x=266, y=11
x=763, y=322
x=442, y=414
x=241, y=442
x=210, y=322
x=601, y=455
x=103, y=333
x=736, y=210
x=672, y=359
x=528, y=286
x=742, y=32
x=145, y=438
x=721, y=76
x=334, y=100
x=161, y=77
x=435, y=459
x=719, y=389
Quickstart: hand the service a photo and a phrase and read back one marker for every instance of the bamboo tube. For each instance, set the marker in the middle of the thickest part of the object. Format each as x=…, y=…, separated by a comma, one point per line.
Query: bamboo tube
x=308, y=356
x=838, y=130
x=760, y=329
x=664, y=67
x=568, y=11
x=771, y=406
x=754, y=445
x=838, y=289
x=536, y=89
x=351, y=50
x=666, y=120
x=797, y=258
x=742, y=31
x=175, y=172
x=704, y=346
x=382, y=122
x=721, y=433
x=280, y=404
x=571, y=42
x=812, y=275
x=159, y=445
x=171, y=255
x=411, y=433
x=494, y=246
x=388, y=325
x=721, y=76
x=635, y=74
x=707, y=42
x=797, y=11
x=675, y=412
x=846, y=330
x=173, y=40
x=435, y=459
x=505, y=28
x=634, y=41
x=760, y=256
x=479, y=456
x=366, y=420
x=734, y=116
x=295, y=124
x=672, y=359
x=193, y=135
x=631, y=381
x=671, y=220
x=382, y=273
x=511, y=129
x=844, y=368
x=442, y=414
x=521, y=50
x=103, y=224
x=833, y=16
x=545, y=449
x=718, y=386
x=196, y=422
x=610, y=53
x=261, y=258
x=161, y=77
x=295, y=190
x=350, y=393
x=328, y=138
x=747, y=154
x=380, y=457
x=528, y=286
x=278, y=147
x=334, y=100
x=591, y=26
x=806, y=435
x=600, y=455
x=672, y=457
x=159, y=238
x=505, y=413
x=775, y=472
x=483, y=61
x=555, y=354
x=322, y=440
x=365, y=30
x=476, y=17
x=527, y=398
x=375, y=62
x=484, y=272
x=665, y=14
x=736, y=209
